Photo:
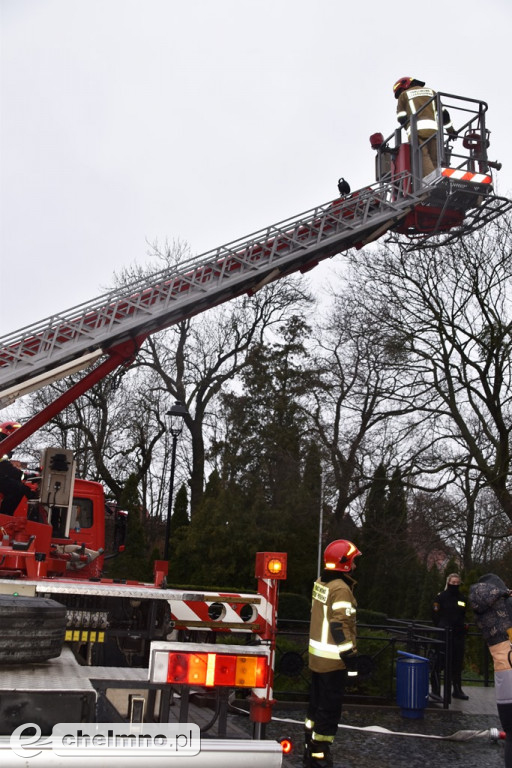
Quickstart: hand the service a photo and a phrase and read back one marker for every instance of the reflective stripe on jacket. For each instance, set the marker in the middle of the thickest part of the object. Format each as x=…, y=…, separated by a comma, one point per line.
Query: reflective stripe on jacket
x=333, y=601
x=410, y=102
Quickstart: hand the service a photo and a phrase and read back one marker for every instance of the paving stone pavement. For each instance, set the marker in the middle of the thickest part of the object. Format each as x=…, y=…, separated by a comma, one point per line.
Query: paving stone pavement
x=361, y=749
x=355, y=748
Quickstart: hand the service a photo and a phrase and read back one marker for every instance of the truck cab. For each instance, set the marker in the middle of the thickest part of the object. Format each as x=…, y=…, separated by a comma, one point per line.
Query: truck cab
x=62, y=531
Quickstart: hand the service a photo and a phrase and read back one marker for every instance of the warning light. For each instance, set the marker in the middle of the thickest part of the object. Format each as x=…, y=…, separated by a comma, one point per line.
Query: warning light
x=271, y=565
x=201, y=664
x=209, y=669
x=286, y=745
x=275, y=565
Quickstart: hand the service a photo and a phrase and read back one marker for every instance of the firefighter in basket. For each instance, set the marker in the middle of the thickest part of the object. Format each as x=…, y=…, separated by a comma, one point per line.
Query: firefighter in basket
x=415, y=98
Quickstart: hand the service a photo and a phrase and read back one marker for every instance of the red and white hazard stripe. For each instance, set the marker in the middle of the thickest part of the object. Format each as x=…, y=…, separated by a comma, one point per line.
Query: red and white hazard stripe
x=194, y=613
x=476, y=178
x=268, y=589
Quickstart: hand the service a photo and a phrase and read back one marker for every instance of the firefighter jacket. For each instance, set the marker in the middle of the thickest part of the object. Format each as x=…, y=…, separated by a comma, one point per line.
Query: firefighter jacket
x=414, y=101
x=333, y=603
x=449, y=609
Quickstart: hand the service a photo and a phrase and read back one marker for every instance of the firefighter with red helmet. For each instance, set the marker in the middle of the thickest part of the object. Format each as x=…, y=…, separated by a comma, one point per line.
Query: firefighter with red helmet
x=414, y=98
x=12, y=487
x=332, y=650
x=8, y=428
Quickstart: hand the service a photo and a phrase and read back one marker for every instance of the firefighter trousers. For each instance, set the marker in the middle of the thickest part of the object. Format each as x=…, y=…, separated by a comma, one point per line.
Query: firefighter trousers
x=326, y=702
x=428, y=143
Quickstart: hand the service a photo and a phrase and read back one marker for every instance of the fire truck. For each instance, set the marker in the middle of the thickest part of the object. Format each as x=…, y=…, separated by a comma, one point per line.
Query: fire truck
x=91, y=631
x=70, y=635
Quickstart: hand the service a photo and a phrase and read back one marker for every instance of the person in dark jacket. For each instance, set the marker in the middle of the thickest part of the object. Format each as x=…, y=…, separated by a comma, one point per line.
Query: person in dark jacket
x=12, y=487
x=449, y=612
x=492, y=606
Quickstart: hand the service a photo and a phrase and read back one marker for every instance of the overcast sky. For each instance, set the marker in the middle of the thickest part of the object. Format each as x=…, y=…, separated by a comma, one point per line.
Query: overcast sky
x=126, y=122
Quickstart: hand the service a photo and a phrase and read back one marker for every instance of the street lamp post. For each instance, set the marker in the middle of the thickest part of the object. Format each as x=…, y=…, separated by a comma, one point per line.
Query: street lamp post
x=176, y=416
x=320, y=528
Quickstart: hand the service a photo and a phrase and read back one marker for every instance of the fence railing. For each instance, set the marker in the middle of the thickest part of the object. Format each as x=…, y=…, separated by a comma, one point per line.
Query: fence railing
x=380, y=642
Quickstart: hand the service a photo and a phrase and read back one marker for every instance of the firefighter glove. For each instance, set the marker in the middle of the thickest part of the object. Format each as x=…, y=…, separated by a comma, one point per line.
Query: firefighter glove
x=349, y=658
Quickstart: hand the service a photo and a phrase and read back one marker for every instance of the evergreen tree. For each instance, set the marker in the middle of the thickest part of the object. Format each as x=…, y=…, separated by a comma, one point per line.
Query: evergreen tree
x=135, y=562
x=431, y=586
x=392, y=577
x=268, y=499
x=179, y=524
x=180, y=516
x=219, y=546
x=371, y=539
x=390, y=570
x=383, y=593
x=303, y=539
x=413, y=601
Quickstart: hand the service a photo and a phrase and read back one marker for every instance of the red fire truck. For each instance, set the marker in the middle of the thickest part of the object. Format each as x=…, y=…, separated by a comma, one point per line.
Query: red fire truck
x=52, y=548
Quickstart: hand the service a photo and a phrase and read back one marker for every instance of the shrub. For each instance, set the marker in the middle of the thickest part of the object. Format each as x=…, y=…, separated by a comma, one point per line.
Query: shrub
x=293, y=607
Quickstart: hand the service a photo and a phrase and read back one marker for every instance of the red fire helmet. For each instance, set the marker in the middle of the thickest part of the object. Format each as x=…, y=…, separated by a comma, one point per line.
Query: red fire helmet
x=404, y=83
x=339, y=555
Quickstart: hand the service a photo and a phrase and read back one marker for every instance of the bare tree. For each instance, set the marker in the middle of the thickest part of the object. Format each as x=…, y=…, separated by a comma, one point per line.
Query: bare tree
x=448, y=311
x=354, y=402
x=197, y=358
x=113, y=430
x=118, y=427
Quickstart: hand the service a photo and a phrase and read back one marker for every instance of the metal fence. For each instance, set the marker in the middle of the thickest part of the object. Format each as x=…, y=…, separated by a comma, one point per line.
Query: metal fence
x=379, y=643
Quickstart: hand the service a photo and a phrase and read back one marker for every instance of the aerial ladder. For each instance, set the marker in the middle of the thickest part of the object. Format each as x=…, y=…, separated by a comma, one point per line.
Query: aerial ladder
x=456, y=198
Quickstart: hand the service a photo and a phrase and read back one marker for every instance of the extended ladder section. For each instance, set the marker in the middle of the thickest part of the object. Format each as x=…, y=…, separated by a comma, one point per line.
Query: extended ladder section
x=457, y=197
x=167, y=297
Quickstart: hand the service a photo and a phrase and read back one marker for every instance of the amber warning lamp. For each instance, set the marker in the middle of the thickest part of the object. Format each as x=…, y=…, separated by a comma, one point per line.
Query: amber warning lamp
x=271, y=565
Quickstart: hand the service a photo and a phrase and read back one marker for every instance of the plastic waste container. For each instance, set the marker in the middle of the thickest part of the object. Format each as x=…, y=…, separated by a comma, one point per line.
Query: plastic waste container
x=412, y=683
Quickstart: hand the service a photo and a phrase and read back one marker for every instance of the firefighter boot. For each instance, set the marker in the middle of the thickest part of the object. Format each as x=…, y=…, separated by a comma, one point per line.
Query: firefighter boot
x=306, y=757
x=320, y=755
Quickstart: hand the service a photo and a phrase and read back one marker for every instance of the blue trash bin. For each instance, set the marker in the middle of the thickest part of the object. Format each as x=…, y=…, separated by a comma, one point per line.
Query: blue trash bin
x=412, y=683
